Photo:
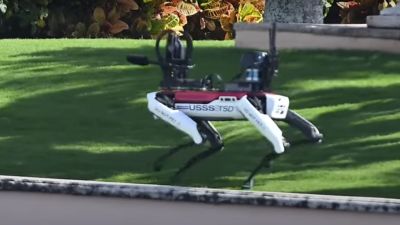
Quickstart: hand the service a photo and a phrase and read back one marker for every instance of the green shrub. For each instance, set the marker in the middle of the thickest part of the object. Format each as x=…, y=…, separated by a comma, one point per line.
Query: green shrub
x=204, y=19
x=125, y=18
x=21, y=18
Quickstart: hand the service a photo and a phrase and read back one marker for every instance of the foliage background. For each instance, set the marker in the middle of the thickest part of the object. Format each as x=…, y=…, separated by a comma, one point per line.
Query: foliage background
x=125, y=18
x=204, y=19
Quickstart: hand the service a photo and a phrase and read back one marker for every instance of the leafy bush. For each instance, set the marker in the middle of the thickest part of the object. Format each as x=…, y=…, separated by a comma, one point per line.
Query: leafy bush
x=22, y=18
x=125, y=18
x=204, y=19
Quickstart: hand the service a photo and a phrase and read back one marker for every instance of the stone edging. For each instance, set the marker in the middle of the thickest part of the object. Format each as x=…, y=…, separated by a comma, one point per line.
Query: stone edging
x=201, y=195
x=350, y=30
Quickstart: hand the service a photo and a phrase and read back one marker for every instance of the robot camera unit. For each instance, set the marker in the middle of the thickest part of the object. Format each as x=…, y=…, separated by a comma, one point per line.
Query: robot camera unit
x=190, y=105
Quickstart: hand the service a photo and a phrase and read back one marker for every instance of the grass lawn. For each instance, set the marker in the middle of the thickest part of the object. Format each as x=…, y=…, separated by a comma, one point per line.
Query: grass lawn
x=75, y=109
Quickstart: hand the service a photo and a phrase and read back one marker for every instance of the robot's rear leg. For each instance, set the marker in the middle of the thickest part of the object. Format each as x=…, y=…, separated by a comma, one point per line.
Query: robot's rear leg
x=216, y=142
x=306, y=127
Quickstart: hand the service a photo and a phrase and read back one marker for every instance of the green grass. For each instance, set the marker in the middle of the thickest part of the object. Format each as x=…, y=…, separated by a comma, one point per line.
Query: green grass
x=75, y=109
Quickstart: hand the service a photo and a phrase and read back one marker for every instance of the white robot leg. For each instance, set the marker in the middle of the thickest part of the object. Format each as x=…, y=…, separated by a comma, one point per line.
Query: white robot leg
x=263, y=123
x=174, y=117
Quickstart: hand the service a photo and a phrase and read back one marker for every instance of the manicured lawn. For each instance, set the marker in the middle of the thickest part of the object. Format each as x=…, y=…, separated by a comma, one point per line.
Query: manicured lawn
x=75, y=109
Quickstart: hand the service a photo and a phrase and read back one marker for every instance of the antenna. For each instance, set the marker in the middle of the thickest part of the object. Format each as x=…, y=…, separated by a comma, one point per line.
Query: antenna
x=274, y=60
x=272, y=63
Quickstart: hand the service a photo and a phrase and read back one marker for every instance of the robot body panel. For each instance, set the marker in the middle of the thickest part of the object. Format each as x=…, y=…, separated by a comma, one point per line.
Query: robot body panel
x=216, y=110
x=223, y=105
x=204, y=96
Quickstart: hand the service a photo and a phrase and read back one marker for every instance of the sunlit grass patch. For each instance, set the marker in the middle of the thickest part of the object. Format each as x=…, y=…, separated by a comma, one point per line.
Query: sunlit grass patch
x=76, y=109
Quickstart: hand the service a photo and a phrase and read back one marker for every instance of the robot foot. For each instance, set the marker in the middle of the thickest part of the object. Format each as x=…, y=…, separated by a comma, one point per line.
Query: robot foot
x=286, y=143
x=248, y=185
x=299, y=142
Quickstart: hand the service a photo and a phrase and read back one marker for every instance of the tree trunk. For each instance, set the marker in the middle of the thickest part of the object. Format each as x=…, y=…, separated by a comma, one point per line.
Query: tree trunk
x=294, y=11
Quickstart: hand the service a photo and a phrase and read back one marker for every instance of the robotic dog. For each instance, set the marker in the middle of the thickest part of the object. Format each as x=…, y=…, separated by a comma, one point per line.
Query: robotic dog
x=189, y=105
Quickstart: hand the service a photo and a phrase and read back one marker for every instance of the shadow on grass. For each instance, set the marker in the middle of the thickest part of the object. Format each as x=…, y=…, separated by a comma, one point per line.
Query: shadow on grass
x=99, y=106
x=93, y=122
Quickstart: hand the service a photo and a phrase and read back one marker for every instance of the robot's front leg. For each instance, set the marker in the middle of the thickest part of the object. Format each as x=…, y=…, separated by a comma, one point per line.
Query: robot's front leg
x=199, y=130
x=267, y=128
x=162, y=107
x=264, y=123
x=176, y=118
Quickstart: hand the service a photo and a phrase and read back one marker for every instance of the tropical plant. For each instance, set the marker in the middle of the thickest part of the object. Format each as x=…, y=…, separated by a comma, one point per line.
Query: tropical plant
x=129, y=18
x=107, y=18
x=201, y=16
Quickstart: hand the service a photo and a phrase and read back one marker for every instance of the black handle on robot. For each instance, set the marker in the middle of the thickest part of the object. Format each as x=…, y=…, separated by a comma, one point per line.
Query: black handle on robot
x=140, y=60
x=189, y=47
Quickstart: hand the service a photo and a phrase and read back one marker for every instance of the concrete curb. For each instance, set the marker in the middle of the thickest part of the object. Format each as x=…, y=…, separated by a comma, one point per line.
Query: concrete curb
x=200, y=195
x=319, y=37
x=341, y=30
